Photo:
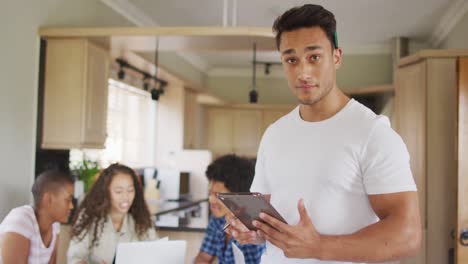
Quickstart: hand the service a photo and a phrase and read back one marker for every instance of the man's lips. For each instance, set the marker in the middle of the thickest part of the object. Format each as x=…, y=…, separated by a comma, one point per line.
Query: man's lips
x=307, y=87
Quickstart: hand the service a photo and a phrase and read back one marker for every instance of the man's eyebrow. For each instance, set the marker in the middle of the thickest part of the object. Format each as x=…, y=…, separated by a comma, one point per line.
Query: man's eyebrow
x=308, y=48
x=313, y=47
x=288, y=51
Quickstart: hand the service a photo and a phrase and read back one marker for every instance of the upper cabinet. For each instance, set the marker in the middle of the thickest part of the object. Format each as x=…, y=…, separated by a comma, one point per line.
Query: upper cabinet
x=247, y=131
x=238, y=129
x=75, y=94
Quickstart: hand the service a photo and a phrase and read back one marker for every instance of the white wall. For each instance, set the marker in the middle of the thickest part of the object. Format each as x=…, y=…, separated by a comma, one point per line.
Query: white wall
x=170, y=123
x=458, y=37
x=19, y=54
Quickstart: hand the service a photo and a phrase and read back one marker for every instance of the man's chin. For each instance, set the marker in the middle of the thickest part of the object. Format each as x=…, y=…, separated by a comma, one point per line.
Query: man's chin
x=308, y=101
x=63, y=221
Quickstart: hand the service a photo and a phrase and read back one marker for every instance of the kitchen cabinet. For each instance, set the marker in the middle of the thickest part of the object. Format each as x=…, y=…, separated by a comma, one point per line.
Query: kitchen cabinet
x=219, y=132
x=425, y=114
x=193, y=113
x=238, y=129
x=247, y=131
x=75, y=95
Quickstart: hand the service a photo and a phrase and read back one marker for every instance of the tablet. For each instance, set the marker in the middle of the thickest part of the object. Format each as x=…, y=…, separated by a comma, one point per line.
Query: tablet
x=247, y=207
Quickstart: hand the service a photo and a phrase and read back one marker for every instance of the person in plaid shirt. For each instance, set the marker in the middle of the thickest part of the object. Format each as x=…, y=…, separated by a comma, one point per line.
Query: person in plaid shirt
x=228, y=173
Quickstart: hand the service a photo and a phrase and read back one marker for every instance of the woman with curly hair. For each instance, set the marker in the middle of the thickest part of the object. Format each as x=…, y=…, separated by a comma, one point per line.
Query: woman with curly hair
x=113, y=211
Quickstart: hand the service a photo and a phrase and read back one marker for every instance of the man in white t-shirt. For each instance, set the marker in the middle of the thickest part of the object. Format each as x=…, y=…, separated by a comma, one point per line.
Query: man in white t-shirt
x=342, y=166
x=29, y=234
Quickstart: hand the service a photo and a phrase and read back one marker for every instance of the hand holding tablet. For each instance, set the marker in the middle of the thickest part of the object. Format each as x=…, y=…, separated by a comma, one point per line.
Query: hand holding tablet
x=248, y=206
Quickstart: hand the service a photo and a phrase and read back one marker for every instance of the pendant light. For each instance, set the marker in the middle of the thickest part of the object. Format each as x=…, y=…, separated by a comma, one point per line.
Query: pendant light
x=253, y=94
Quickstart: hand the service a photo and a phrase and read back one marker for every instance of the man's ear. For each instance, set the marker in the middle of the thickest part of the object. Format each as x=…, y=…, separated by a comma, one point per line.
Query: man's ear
x=47, y=199
x=337, y=57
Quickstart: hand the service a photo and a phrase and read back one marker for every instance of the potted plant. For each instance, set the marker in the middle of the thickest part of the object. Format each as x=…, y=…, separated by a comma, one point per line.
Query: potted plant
x=86, y=171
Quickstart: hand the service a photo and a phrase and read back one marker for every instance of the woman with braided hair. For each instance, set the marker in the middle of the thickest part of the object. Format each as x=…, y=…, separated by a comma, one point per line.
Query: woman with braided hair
x=113, y=211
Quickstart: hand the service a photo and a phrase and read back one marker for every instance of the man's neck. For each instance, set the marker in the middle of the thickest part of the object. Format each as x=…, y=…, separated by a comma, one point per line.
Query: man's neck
x=44, y=221
x=324, y=109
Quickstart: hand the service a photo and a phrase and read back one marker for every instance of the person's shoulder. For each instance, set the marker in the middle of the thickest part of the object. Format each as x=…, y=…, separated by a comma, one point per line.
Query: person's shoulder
x=24, y=213
x=284, y=122
x=361, y=113
x=21, y=220
x=365, y=120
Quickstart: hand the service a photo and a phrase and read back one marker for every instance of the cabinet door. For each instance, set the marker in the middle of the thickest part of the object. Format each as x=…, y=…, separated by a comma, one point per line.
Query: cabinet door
x=410, y=111
x=247, y=131
x=191, y=112
x=63, y=93
x=94, y=126
x=440, y=157
x=219, y=131
x=462, y=144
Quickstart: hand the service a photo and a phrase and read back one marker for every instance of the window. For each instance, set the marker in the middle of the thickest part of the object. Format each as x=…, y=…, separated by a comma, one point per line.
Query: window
x=131, y=129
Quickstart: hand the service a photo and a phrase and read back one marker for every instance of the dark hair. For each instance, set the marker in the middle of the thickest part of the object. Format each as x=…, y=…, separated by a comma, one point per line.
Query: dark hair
x=305, y=16
x=235, y=172
x=49, y=181
x=96, y=206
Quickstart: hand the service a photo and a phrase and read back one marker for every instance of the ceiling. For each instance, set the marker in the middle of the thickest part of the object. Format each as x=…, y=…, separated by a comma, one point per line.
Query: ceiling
x=359, y=22
x=364, y=26
x=366, y=29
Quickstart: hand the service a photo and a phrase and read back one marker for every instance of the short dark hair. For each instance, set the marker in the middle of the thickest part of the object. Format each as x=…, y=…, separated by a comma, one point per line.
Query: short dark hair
x=49, y=181
x=308, y=15
x=235, y=172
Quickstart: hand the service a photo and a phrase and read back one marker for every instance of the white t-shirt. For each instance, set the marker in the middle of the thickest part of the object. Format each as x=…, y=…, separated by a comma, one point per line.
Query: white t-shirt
x=333, y=165
x=22, y=220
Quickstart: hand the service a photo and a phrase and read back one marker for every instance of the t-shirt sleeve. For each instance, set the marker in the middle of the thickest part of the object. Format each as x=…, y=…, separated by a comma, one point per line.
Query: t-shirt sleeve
x=385, y=161
x=19, y=221
x=259, y=183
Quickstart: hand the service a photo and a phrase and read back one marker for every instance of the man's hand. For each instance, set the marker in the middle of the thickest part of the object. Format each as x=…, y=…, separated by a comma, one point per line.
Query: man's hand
x=241, y=233
x=298, y=241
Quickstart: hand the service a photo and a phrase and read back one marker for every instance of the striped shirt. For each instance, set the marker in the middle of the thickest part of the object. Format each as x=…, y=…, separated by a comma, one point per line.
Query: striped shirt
x=22, y=220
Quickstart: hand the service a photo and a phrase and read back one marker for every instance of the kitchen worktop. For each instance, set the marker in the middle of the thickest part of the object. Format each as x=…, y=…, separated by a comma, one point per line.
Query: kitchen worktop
x=183, y=216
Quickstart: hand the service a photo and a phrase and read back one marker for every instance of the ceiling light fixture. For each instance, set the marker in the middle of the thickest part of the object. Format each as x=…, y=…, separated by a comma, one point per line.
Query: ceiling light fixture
x=121, y=73
x=157, y=92
x=146, y=76
x=253, y=94
x=146, y=82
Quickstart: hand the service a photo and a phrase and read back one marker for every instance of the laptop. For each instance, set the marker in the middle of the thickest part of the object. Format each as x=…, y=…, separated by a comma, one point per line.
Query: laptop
x=159, y=251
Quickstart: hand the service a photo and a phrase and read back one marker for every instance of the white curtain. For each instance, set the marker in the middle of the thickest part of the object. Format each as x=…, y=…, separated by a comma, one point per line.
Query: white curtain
x=131, y=128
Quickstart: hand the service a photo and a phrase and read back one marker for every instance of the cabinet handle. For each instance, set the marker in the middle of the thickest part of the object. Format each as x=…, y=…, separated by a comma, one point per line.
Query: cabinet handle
x=464, y=237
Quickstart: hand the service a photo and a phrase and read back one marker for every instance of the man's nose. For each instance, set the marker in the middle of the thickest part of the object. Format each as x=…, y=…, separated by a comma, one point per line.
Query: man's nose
x=211, y=198
x=305, y=71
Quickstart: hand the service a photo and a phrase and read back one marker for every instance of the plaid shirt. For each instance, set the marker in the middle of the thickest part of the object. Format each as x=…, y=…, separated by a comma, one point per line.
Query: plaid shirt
x=214, y=245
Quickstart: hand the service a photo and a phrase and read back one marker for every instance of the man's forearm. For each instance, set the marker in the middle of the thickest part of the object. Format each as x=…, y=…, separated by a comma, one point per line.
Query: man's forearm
x=386, y=240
